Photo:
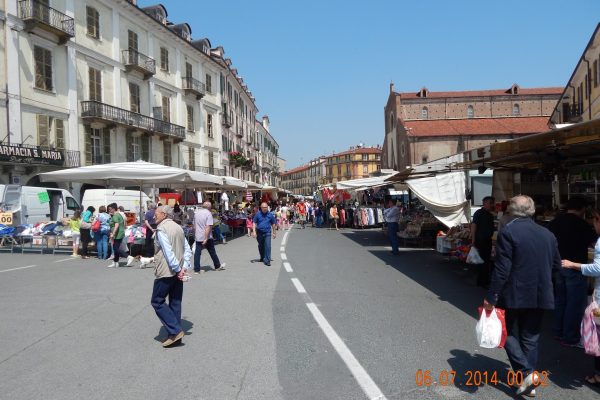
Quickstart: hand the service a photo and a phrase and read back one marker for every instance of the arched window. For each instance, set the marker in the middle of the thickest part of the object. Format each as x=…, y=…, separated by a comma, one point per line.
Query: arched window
x=470, y=112
x=424, y=113
x=516, y=109
x=392, y=121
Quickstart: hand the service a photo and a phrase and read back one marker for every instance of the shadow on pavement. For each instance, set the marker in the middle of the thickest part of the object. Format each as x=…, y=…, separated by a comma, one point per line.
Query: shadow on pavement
x=453, y=282
x=185, y=325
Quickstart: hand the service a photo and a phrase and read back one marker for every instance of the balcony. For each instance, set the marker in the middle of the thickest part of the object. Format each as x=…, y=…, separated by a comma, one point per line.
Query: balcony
x=36, y=14
x=211, y=170
x=136, y=61
x=96, y=111
x=239, y=132
x=193, y=86
x=249, y=140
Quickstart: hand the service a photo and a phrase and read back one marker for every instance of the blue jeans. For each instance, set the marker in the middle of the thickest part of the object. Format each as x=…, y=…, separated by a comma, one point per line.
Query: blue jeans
x=523, y=327
x=217, y=232
x=570, y=301
x=392, y=230
x=101, y=244
x=318, y=221
x=169, y=315
x=264, y=246
x=210, y=246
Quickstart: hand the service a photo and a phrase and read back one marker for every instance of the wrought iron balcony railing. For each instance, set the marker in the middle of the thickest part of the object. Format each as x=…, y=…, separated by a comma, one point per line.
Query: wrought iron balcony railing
x=106, y=112
x=35, y=13
x=134, y=60
x=193, y=86
x=211, y=170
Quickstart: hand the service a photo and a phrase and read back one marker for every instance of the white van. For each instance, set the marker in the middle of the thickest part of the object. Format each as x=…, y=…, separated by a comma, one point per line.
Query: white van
x=31, y=204
x=129, y=199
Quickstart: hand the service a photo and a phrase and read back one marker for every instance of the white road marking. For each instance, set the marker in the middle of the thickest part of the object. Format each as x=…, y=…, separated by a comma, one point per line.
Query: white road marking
x=283, y=256
x=282, y=249
x=362, y=377
x=298, y=285
x=287, y=267
x=64, y=259
x=14, y=269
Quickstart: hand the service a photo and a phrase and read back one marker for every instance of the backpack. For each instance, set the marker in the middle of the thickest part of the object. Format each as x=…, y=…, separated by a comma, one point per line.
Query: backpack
x=96, y=225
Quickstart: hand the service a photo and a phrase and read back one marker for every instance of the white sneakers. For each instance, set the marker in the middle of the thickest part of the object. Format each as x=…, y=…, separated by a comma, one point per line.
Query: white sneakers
x=130, y=260
x=527, y=388
x=112, y=265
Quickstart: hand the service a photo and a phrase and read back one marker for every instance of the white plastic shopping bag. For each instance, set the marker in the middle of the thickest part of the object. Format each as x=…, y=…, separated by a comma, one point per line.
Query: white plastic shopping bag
x=489, y=330
x=473, y=257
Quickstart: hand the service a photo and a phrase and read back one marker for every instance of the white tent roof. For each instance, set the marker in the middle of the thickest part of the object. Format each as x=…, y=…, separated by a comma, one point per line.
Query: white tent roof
x=131, y=173
x=229, y=182
x=364, y=183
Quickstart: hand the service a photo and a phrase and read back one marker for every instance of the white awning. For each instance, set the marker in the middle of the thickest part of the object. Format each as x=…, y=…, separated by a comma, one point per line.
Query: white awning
x=361, y=184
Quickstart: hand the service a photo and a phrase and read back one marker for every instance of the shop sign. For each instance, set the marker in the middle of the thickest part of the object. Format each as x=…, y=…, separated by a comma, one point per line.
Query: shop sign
x=17, y=153
x=6, y=218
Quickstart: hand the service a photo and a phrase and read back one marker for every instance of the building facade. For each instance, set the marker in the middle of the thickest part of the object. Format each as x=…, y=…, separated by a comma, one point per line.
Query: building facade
x=580, y=99
x=357, y=162
x=104, y=81
x=425, y=126
x=296, y=180
x=268, y=149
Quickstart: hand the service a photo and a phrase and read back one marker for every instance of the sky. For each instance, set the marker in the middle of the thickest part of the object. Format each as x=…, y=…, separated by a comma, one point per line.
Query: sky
x=321, y=69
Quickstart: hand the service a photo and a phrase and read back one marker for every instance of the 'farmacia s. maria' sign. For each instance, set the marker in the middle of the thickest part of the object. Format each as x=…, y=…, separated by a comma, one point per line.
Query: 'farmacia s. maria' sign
x=17, y=153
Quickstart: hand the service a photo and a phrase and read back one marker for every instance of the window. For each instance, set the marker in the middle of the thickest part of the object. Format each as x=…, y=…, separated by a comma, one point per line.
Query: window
x=166, y=109
x=95, y=84
x=516, y=110
x=164, y=59
x=208, y=83
x=424, y=158
x=470, y=112
x=97, y=146
x=167, y=153
x=145, y=141
x=209, y=125
x=365, y=157
x=134, y=97
x=192, y=158
x=365, y=169
x=132, y=40
x=43, y=68
x=222, y=84
x=595, y=70
x=339, y=170
x=424, y=113
x=59, y=128
x=93, y=22
x=134, y=147
x=72, y=204
x=188, y=70
x=190, y=118
x=392, y=121
x=43, y=130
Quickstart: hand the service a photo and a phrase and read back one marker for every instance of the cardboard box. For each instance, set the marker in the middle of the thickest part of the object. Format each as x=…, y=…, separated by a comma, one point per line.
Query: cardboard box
x=37, y=240
x=65, y=242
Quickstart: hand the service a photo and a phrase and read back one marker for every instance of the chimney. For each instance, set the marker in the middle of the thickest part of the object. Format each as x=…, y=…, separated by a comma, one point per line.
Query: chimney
x=265, y=122
x=391, y=87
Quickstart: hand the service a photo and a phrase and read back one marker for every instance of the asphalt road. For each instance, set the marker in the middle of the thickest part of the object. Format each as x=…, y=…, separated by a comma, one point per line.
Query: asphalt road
x=74, y=329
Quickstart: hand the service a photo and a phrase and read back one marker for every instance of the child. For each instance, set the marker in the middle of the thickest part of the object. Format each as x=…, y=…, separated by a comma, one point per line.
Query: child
x=75, y=225
x=249, y=224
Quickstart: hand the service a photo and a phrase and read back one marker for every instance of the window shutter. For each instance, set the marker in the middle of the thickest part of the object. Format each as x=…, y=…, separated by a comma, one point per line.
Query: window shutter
x=43, y=122
x=60, y=133
x=106, y=145
x=88, y=145
x=145, y=148
x=129, y=147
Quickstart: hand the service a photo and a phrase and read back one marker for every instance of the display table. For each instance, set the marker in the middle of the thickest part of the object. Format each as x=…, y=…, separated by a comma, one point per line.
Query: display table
x=234, y=224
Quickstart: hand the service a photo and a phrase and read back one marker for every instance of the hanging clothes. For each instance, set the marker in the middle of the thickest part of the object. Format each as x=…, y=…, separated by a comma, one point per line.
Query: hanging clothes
x=371, y=217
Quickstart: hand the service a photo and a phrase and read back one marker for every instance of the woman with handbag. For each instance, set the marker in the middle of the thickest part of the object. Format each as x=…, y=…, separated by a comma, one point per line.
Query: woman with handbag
x=592, y=270
x=101, y=233
x=85, y=230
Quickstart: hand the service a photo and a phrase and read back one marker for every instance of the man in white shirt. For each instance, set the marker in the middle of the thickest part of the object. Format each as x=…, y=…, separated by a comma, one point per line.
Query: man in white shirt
x=203, y=223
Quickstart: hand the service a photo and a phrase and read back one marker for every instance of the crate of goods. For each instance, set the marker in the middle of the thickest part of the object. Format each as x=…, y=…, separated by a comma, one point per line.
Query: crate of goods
x=37, y=240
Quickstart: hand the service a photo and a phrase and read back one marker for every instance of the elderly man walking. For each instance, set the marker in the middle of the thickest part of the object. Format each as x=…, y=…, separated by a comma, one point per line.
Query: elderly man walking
x=527, y=255
x=264, y=223
x=172, y=256
x=203, y=223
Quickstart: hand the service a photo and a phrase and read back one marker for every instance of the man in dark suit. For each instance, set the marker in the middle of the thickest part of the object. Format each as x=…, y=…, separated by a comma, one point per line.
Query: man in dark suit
x=521, y=282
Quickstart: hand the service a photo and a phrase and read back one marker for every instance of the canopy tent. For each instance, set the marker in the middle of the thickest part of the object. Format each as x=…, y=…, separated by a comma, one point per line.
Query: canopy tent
x=138, y=173
x=253, y=185
x=232, y=183
x=362, y=183
x=131, y=173
x=444, y=196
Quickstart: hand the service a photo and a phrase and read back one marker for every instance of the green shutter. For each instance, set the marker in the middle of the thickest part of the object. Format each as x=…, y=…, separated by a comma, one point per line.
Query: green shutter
x=145, y=148
x=43, y=122
x=129, y=147
x=88, y=144
x=60, y=133
x=106, y=145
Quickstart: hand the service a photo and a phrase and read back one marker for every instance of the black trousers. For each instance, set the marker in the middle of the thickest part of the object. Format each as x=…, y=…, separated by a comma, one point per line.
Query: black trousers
x=85, y=241
x=523, y=326
x=485, y=269
x=149, y=246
